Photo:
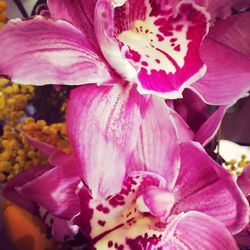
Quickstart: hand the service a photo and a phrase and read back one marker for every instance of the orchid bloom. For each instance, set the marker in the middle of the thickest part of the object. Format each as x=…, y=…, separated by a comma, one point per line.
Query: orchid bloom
x=154, y=44
x=125, y=186
x=238, y=159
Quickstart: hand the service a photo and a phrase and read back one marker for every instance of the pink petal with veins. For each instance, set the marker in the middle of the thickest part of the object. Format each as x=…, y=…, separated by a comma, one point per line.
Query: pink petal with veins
x=204, y=186
x=225, y=81
x=103, y=127
x=209, y=128
x=196, y=230
x=45, y=51
x=80, y=13
x=157, y=147
x=233, y=32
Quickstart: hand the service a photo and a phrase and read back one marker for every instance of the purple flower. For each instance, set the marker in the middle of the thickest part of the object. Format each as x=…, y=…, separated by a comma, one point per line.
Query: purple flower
x=155, y=44
x=128, y=184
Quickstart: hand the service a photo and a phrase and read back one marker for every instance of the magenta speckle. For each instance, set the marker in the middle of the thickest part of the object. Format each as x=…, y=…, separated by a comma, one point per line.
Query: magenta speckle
x=159, y=22
x=143, y=242
x=133, y=55
x=160, y=37
x=178, y=27
x=103, y=209
x=177, y=48
x=110, y=244
x=157, y=61
x=173, y=40
x=144, y=63
x=101, y=223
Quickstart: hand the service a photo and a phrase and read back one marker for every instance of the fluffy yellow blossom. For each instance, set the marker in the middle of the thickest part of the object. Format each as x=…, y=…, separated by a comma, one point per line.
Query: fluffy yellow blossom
x=16, y=154
x=54, y=134
x=13, y=100
x=3, y=14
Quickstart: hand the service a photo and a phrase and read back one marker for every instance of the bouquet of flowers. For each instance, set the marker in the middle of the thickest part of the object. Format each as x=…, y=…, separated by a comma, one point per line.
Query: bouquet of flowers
x=110, y=114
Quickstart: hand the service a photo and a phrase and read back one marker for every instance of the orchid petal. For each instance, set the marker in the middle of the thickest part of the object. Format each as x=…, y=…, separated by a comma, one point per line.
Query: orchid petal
x=43, y=147
x=196, y=230
x=10, y=192
x=58, y=192
x=44, y=51
x=233, y=32
x=60, y=229
x=184, y=132
x=209, y=128
x=158, y=202
x=163, y=46
x=225, y=81
x=157, y=147
x=117, y=218
x=244, y=181
x=200, y=178
x=103, y=126
x=78, y=12
x=241, y=5
x=104, y=28
x=192, y=109
x=243, y=238
x=222, y=9
x=217, y=8
x=55, y=156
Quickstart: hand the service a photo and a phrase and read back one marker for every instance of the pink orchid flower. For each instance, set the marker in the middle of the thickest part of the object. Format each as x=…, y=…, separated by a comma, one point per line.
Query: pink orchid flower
x=155, y=44
x=152, y=192
x=128, y=184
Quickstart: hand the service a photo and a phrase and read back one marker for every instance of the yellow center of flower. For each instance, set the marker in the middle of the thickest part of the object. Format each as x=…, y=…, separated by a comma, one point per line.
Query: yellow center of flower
x=236, y=167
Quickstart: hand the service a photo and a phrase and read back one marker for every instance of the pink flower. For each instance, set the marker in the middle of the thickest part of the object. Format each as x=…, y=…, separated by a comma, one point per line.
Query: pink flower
x=156, y=202
x=154, y=44
x=128, y=183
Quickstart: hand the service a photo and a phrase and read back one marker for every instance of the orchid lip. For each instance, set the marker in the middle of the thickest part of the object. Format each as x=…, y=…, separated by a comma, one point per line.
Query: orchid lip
x=156, y=201
x=158, y=45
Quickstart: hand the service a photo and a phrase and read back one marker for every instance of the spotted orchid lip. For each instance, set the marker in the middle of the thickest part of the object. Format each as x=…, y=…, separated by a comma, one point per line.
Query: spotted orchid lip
x=162, y=46
x=120, y=221
x=156, y=44
x=108, y=221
